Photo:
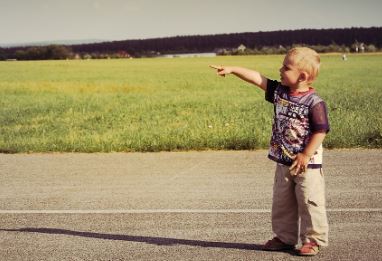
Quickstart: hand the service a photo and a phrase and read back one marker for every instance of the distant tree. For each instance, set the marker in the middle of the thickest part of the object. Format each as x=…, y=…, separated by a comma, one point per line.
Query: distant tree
x=87, y=56
x=322, y=40
x=267, y=50
x=20, y=55
x=371, y=48
x=35, y=53
x=3, y=54
x=58, y=52
x=51, y=52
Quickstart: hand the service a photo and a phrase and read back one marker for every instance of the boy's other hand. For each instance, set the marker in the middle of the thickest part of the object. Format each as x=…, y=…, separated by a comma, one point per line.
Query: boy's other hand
x=300, y=164
x=221, y=70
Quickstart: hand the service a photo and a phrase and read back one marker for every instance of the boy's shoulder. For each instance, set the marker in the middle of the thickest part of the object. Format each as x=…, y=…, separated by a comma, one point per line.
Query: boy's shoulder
x=311, y=98
x=275, y=88
x=316, y=99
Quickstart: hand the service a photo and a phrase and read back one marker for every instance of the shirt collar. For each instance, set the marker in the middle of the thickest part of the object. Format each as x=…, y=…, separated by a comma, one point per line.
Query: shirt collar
x=296, y=93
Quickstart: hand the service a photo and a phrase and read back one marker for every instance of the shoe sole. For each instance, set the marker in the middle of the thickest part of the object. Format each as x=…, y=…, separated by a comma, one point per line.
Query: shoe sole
x=309, y=254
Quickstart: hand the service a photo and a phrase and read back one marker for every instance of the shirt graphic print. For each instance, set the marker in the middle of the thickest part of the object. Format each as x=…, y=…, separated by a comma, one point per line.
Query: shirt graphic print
x=294, y=123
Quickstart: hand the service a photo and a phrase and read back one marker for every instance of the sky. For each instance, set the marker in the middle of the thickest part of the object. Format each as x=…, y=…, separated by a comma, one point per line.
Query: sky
x=25, y=21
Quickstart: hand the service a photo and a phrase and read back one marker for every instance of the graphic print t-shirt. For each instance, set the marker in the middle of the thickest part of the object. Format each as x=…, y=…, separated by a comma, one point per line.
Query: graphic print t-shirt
x=297, y=117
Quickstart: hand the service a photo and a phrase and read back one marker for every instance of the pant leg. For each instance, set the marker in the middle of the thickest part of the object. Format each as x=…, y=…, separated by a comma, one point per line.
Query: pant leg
x=310, y=193
x=284, y=206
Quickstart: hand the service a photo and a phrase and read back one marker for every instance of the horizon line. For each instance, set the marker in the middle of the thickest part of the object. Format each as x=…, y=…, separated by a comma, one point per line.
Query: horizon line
x=95, y=40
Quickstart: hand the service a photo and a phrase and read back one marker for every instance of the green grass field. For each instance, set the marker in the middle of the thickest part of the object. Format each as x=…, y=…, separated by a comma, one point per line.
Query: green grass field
x=164, y=104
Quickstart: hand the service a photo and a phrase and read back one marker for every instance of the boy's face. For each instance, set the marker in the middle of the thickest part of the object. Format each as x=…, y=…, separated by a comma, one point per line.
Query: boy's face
x=289, y=73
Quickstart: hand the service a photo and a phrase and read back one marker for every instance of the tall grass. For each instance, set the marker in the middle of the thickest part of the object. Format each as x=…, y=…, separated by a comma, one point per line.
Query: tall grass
x=171, y=104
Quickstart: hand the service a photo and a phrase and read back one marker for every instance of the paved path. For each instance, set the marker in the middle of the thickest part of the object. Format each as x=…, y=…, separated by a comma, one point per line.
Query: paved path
x=174, y=206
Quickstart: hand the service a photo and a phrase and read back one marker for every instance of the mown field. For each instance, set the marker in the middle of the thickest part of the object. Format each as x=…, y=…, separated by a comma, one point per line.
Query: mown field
x=164, y=104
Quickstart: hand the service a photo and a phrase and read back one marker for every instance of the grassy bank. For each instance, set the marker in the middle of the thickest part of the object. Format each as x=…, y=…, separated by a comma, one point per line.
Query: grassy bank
x=172, y=104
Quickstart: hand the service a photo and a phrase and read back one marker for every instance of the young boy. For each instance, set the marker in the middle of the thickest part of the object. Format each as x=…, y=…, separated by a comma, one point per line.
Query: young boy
x=299, y=128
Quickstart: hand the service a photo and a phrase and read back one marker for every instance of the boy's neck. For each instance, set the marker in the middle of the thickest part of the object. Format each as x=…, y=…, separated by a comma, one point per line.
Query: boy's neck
x=303, y=87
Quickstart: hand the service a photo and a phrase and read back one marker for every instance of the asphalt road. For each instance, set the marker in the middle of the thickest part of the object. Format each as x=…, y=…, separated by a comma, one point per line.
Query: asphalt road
x=174, y=206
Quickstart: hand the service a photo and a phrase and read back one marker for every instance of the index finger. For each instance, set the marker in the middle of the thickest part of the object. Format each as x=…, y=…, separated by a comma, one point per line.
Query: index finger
x=216, y=67
x=294, y=165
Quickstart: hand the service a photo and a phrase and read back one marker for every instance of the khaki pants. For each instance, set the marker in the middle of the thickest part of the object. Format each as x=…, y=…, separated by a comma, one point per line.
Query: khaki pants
x=299, y=197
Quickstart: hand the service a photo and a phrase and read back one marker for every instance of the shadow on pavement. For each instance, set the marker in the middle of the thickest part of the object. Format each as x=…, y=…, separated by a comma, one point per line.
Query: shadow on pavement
x=162, y=241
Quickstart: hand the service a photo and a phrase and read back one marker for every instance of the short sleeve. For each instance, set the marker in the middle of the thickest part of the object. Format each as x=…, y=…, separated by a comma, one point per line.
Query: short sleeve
x=318, y=117
x=270, y=91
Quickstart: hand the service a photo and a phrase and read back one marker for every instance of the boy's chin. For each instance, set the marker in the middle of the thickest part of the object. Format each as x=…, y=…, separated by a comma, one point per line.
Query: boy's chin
x=284, y=83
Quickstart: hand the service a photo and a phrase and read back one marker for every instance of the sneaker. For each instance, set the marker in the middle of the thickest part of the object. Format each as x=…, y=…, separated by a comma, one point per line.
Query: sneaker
x=309, y=249
x=275, y=244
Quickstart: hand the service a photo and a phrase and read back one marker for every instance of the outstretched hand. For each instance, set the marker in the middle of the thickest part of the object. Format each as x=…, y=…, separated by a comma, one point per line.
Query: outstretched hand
x=221, y=70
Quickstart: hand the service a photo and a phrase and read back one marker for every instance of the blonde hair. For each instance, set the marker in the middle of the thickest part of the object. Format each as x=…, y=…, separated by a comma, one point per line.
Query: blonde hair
x=306, y=60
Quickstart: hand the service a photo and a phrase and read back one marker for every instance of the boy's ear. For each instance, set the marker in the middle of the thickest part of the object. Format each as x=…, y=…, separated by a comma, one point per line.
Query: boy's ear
x=304, y=76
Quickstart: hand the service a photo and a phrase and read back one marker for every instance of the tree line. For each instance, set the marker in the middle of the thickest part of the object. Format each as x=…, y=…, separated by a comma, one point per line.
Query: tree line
x=323, y=40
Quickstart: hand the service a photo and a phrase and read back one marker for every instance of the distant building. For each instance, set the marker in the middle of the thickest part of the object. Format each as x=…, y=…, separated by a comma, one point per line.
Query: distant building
x=221, y=51
x=241, y=48
x=362, y=47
